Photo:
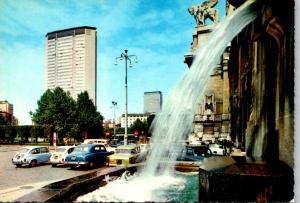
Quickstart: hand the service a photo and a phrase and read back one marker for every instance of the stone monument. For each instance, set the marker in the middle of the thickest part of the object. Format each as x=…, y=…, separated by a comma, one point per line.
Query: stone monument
x=212, y=118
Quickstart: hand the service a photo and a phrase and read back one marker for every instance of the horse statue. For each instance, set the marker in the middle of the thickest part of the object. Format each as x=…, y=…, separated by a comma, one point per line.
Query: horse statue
x=204, y=11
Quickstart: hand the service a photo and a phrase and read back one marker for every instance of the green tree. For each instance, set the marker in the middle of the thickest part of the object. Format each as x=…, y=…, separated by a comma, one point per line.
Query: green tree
x=10, y=133
x=2, y=120
x=88, y=119
x=56, y=109
x=2, y=133
x=140, y=126
x=23, y=132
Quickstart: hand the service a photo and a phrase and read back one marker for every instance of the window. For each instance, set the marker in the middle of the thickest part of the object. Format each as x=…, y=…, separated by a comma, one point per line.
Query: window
x=35, y=151
x=70, y=150
x=44, y=150
x=190, y=152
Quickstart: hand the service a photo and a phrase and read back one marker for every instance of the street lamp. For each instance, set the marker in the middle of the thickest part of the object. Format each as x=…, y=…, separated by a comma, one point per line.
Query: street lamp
x=114, y=106
x=127, y=58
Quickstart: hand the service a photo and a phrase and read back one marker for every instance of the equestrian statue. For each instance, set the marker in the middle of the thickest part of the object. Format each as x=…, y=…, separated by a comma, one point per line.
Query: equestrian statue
x=204, y=11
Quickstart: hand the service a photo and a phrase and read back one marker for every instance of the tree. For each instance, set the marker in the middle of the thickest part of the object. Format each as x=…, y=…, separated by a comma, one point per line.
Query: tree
x=10, y=133
x=88, y=120
x=60, y=113
x=2, y=120
x=140, y=126
x=56, y=109
x=24, y=133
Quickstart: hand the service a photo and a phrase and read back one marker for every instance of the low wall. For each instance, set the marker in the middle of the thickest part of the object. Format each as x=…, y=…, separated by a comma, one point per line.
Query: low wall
x=226, y=180
x=69, y=189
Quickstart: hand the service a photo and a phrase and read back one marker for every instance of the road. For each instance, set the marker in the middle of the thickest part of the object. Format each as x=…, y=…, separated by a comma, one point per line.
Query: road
x=16, y=182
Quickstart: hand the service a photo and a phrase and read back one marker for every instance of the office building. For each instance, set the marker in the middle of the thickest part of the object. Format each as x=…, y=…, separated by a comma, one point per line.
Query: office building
x=152, y=102
x=71, y=61
x=131, y=118
x=7, y=111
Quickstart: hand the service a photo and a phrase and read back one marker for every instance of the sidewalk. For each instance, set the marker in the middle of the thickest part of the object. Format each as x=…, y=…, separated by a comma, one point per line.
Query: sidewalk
x=12, y=194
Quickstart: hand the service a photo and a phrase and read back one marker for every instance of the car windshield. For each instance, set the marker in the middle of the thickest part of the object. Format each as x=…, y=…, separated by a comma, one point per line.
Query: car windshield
x=81, y=149
x=125, y=151
x=23, y=150
x=60, y=149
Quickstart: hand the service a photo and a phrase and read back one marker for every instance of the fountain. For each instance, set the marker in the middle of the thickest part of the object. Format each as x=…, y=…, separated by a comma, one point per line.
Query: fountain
x=153, y=181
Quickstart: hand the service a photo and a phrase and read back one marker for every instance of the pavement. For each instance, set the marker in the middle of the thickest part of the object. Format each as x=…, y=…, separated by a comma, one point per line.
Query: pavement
x=12, y=194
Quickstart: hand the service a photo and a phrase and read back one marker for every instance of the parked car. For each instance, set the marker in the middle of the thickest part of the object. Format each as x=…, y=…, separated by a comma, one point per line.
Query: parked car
x=195, y=153
x=87, y=155
x=145, y=149
x=96, y=141
x=120, y=143
x=31, y=155
x=217, y=149
x=124, y=155
x=59, y=156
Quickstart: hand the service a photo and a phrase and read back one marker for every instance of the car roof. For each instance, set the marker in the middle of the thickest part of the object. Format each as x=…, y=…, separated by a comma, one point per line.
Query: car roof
x=33, y=147
x=66, y=147
x=90, y=145
x=127, y=146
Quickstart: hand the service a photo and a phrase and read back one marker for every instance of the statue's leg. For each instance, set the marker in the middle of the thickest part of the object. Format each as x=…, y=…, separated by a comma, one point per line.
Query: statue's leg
x=217, y=16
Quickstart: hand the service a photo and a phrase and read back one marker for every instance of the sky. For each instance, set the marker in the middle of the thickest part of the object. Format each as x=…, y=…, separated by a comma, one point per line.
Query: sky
x=158, y=32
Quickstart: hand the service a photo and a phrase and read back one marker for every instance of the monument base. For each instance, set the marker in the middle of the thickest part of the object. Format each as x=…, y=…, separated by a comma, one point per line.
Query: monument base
x=225, y=179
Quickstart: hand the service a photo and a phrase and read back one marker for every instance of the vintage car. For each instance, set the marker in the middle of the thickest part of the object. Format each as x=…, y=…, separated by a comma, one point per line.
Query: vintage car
x=195, y=153
x=144, y=151
x=31, y=155
x=59, y=155
x=217, y=149
x=124, y=155
x=87, y=155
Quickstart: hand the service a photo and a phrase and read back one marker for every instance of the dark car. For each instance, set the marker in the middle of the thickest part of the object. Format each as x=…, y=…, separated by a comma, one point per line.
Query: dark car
x=195, y=153
x=87, y=155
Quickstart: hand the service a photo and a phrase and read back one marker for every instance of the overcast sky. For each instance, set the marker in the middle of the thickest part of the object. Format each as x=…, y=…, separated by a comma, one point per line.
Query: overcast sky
x=159, y=32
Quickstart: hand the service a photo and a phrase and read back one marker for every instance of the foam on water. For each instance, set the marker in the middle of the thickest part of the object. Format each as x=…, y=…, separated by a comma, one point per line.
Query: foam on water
x=173, y=124
x=137, y=189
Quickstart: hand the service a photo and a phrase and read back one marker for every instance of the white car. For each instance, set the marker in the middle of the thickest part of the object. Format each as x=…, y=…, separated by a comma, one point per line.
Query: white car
x=217, y=149
x=59, y=155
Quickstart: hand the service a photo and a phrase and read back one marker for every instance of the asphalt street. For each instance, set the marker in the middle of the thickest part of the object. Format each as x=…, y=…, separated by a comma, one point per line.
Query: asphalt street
x=16, y=182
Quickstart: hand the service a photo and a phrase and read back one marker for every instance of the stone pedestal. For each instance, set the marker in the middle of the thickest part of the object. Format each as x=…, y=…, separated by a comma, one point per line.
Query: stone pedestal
x=224, y=179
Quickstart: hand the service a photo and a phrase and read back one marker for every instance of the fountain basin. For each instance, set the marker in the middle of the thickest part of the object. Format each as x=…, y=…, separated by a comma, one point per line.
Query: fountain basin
x=70, y=189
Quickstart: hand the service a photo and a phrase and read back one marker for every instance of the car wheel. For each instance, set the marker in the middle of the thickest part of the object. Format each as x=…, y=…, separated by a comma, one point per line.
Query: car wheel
x=33, y=163
x=54, y=165
x=18, y=165
x=91, y=164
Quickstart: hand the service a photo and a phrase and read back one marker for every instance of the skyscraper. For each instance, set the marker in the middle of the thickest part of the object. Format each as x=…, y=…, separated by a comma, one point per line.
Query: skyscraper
x=152, y=102
x=71, y=61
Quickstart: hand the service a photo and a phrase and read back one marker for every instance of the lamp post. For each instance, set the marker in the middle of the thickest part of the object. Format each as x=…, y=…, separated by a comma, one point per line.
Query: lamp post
x=114, y=106
x=127, y=58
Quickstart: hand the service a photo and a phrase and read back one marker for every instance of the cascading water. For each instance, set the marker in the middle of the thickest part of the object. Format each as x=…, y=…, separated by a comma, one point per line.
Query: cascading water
x=173, y=124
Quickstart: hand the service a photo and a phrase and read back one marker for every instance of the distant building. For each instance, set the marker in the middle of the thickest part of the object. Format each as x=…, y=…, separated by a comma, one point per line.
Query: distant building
x=108, y=123
x=7, y=111
x=131, y=118
x=70, y=60
x=152, y=102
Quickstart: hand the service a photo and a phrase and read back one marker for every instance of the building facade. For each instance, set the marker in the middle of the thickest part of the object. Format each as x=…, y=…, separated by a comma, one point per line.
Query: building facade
x=261, y=75
x=212, y=118
x=7, y=111
x=152, y=102
x=71, y=62
x=131, y=118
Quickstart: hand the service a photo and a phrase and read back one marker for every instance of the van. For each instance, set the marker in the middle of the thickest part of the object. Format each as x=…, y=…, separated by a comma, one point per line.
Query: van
x=96, y=141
